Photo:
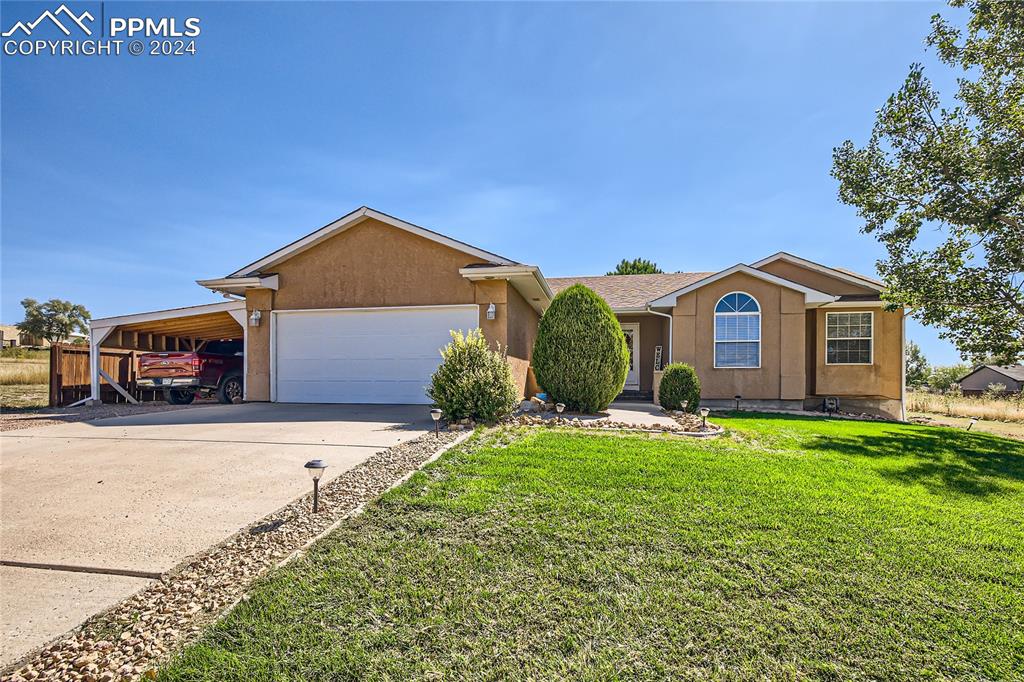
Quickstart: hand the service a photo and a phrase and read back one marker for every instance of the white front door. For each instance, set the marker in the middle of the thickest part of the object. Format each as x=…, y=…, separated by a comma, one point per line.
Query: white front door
x=631, y=330
x=369, y=355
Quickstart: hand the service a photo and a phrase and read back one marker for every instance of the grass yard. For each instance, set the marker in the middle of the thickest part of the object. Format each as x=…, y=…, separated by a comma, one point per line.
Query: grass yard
x=792, y=548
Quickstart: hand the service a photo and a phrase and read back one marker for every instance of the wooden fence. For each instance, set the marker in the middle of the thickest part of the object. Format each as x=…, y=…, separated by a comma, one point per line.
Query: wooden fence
x=70, y=381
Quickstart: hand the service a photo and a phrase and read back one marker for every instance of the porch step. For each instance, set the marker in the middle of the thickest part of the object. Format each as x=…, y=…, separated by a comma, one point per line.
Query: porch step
x=647, y=396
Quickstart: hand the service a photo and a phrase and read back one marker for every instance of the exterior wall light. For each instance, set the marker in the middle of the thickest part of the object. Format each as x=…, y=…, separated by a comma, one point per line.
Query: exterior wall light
x=254, y=318
x=704, y=412
x=491, y=311
x=316, y=467
x=435, y=414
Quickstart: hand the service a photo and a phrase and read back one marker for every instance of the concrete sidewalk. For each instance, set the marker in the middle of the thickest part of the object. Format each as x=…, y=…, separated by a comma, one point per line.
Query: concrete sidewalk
x=140, y=494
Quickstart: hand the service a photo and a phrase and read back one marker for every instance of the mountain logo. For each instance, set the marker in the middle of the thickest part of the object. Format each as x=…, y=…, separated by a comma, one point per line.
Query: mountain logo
x=68, y=15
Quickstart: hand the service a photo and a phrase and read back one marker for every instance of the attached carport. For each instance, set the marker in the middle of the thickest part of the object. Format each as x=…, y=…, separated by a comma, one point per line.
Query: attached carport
x=177, y=329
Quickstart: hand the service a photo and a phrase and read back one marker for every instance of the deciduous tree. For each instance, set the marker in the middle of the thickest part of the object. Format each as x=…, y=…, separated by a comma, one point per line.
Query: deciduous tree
x=54, y=320
x=941, y=186
x=917, y=366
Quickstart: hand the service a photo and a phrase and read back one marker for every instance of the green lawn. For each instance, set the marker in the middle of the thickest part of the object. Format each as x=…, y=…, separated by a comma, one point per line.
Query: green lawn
x=792, y=548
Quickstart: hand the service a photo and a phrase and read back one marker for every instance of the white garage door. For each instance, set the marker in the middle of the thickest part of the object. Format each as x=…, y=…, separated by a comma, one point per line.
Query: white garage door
x=376, y=355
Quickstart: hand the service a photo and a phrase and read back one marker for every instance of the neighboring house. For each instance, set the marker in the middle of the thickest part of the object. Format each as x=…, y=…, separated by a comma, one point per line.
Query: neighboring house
x=11, y=336
x=357, y=310
x=978, y=381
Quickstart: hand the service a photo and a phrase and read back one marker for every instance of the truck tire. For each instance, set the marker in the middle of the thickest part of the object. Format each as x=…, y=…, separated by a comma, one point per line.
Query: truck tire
x=229, y=389
x=179, y=396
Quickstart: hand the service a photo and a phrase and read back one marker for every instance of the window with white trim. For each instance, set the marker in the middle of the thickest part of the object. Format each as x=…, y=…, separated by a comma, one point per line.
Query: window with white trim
x=737, y=332
x=848, y=338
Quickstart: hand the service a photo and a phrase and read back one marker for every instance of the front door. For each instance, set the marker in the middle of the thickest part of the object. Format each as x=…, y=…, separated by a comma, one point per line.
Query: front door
x=631, y=330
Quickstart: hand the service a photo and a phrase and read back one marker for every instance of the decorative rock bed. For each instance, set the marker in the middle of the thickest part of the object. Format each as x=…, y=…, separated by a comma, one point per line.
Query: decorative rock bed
x=688, y=424
x=128, y=640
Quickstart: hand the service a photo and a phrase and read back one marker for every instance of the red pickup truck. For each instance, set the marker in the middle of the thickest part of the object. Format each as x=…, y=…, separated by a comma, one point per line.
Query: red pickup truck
x=215, y=367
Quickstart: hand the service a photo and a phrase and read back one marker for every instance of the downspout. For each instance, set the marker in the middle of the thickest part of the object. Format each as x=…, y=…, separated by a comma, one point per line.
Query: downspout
x=655, y=312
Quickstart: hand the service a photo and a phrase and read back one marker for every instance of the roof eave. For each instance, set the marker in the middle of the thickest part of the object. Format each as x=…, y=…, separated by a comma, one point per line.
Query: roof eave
x=818, y=267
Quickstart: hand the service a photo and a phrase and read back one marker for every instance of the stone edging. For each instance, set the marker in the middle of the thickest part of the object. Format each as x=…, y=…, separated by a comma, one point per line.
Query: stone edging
x=602, y=425
x=126, y=641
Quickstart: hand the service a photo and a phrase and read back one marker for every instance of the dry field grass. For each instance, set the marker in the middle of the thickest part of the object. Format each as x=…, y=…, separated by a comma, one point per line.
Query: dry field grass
x=24, y=378
x=23, y=371
x=991, y=409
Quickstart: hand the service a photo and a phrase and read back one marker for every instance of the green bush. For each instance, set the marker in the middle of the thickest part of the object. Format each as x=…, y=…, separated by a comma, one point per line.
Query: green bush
x=473, y=380
x=679, y=383
x=580, y=356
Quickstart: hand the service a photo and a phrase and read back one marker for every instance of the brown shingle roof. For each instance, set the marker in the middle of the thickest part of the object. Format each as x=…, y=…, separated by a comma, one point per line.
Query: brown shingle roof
x=630, y=291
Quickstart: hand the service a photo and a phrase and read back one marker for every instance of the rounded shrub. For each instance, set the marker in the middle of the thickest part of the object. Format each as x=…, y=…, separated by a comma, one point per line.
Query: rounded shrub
x=473, y=380
x=580, y=356
x=679, y=383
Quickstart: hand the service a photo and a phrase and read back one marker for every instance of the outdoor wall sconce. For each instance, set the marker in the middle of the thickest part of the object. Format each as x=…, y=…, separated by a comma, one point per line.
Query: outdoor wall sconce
x=316, y=467
x=254, y=319
x=704, y=412
x=491, y=311
x=559, y=408
x=738, y=398
x=435, y=414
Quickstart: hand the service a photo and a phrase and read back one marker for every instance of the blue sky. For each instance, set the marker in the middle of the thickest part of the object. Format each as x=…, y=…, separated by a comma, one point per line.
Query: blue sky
x=567, y=135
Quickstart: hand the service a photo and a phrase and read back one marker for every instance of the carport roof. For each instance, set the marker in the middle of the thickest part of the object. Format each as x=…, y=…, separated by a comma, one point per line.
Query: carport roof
x=213, y=320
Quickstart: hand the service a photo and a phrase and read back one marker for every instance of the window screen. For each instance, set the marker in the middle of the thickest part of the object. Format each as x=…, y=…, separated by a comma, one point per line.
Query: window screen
x=848, y=338
x=737, y=332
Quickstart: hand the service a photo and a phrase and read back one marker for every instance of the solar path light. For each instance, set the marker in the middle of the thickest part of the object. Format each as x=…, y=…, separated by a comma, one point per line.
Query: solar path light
x=704, y=412
x=738, y=398
x=316, y=467
x=435, y=414
x=559, y=408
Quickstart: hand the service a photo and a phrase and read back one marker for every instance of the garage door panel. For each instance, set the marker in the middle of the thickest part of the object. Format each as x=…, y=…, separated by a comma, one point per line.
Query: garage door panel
x=365, y=356
x=359, y=369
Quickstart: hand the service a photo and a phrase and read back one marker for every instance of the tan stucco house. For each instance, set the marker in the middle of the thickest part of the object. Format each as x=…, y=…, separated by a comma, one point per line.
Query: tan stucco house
x=357, y=310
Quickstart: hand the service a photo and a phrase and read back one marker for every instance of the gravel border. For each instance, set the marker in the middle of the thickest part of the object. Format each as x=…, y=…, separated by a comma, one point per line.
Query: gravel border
x=127, y=641
x=688, y=424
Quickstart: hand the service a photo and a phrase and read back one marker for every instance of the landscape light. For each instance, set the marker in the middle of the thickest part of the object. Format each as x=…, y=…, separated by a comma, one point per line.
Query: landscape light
x=316, y=467
x=704, y=412
x=435, y=414
x=738, y=398
x=685, y=404
x=972, y=423
x=559, y=408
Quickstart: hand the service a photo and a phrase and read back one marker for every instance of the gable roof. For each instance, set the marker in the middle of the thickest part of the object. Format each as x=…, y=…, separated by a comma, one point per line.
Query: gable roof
x=812, y=295
x=1015, y=372
x=838, y=273
x=357, y=216
x=629, y=292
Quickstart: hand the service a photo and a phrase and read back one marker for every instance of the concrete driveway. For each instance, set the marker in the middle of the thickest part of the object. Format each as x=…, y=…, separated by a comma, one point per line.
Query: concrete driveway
x=110, y=504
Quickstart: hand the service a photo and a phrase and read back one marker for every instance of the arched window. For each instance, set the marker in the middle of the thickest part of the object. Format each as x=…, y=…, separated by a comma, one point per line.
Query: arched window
x=737, y=331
